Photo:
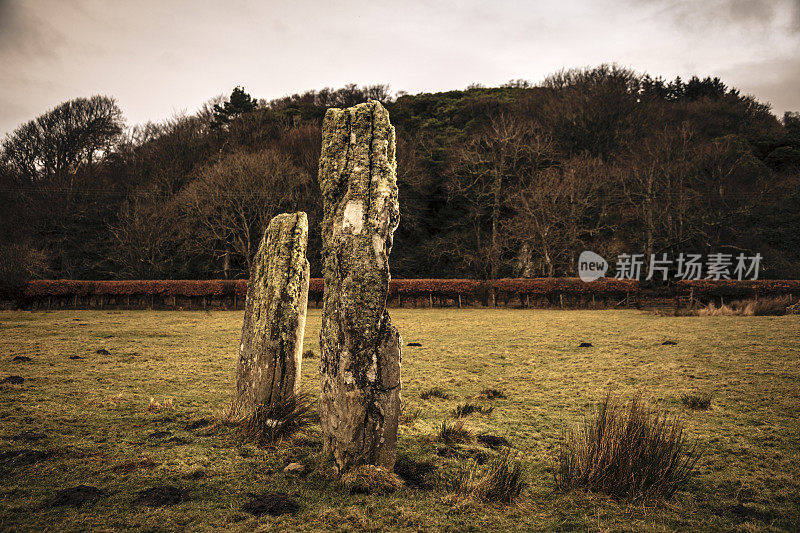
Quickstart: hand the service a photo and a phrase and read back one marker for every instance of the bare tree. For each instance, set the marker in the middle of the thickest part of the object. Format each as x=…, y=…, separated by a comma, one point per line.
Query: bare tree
x=231, y=202
x=145, y=236
x=656, y=181
x=73, y=133
x=731, y=181
x=557, y=212
x=18, y=264
x=485, y=171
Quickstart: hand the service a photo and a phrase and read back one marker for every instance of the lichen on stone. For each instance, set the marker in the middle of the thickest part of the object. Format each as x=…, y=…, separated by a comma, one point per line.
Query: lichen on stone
x=270, y=354
x=360, y=362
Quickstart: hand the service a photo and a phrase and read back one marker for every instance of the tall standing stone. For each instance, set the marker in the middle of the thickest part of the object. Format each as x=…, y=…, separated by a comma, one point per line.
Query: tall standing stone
x=360, y=362
x=270, y=353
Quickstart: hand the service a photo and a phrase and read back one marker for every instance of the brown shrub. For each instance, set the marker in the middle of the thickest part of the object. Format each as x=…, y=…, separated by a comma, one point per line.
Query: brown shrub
x=268, y=424
x=455, y=433
x=626, y=451
x=501, y=480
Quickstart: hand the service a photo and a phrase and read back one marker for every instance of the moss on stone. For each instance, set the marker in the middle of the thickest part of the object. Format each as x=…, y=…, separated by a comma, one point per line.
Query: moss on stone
x=270, y=352
x=360, y=362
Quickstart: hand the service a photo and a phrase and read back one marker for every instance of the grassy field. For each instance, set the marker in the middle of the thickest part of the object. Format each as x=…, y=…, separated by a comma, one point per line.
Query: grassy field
x=94, y=426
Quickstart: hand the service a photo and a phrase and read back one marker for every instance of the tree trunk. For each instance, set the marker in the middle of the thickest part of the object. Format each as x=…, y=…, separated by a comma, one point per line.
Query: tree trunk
x=498, y=183
x=360, y=362
x=270, y=353
x=650, y=217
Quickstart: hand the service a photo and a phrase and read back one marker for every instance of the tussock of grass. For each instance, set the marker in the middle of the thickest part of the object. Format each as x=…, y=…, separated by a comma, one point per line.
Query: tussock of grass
x=776, y=306
x=157, y=406
x=455, y=433
x=269, y=424
x=724, y=310
x=699, y=401
x=501, y=480
x=370, y=479
x=409, y=416
x=491, y=394
x=309, y=354
x=626, y=451
x=468, y=408
x=435, y=392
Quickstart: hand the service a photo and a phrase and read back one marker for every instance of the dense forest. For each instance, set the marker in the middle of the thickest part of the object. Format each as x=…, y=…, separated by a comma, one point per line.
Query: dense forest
x=510, y=181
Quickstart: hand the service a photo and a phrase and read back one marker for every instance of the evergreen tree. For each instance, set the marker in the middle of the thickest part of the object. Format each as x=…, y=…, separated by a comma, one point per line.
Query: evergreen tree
x=238, y=104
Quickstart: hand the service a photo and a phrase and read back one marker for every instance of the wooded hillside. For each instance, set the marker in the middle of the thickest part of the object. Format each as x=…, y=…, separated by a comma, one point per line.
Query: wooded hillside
x=512, y=181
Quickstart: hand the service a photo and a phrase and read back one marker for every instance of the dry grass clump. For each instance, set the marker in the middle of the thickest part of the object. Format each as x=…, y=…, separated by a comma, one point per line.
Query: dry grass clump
x=775, y=306
x=409, y=416
x=108, y=401
x=772, y=306
x=157, y=406
x=468, y=408
x=270, y=423
x=435, y=392
x=724, y=310
x=455, y=433
x=700, y=401
x=491, y=394
x=501, y=480
x=371, y=479
x=626, y=451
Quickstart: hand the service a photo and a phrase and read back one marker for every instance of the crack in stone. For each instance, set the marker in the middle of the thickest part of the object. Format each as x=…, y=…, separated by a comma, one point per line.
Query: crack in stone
x=359, y=413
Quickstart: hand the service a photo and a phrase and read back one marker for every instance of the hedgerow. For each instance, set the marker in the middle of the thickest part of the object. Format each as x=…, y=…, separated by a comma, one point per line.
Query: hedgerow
x=413, y=288
x=62, y=287
x=744, y=288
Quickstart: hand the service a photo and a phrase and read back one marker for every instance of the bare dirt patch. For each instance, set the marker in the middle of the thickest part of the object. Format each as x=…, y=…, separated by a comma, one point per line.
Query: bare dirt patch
x=493, y=441
x=197, y=424
x=29, y=435
x=271, y=503
x=161, y=496
x=76, y=496
x=416, y=474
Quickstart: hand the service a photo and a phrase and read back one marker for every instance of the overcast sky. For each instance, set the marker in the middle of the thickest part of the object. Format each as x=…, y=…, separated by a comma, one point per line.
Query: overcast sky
x=163, y=57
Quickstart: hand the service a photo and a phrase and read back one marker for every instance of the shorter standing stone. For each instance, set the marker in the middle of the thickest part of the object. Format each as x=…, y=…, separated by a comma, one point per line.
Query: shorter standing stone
x=271, y=348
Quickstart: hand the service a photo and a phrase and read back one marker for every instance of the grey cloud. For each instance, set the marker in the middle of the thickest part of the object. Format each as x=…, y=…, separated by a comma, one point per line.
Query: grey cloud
x=772, y=81
x=158, y=56
x=753, y=14
x=25, y=35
